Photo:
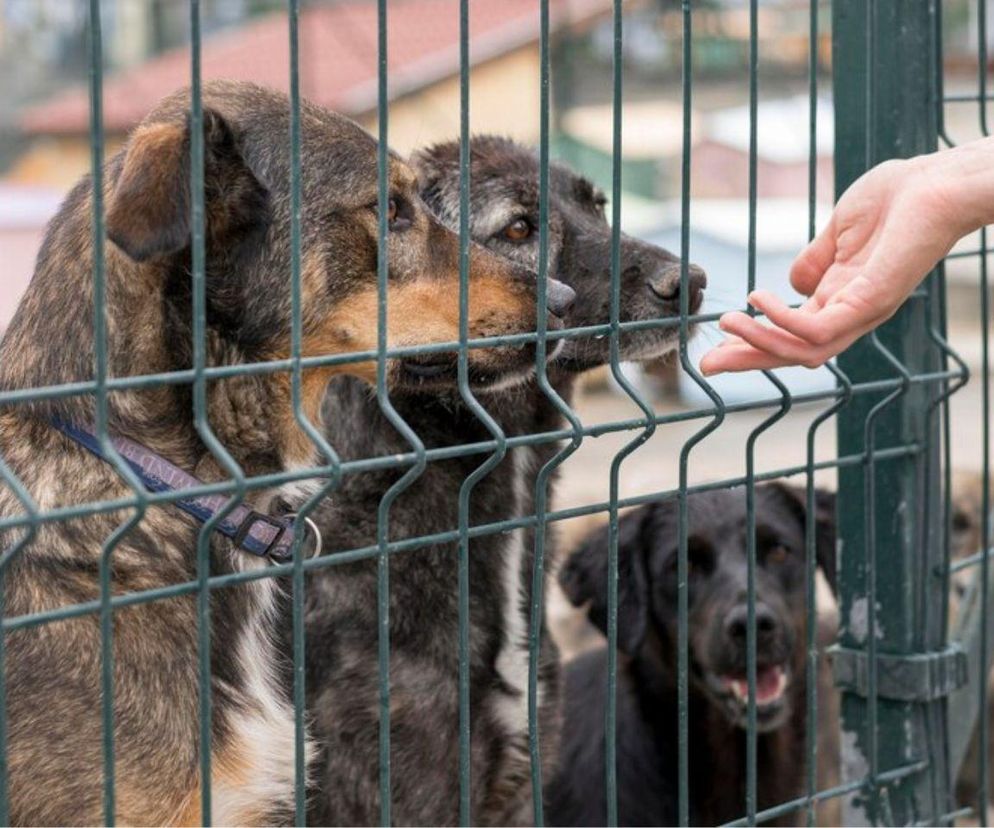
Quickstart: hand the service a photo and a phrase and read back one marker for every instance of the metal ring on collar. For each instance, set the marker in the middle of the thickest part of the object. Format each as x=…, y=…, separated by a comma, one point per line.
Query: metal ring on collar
x=310, y=524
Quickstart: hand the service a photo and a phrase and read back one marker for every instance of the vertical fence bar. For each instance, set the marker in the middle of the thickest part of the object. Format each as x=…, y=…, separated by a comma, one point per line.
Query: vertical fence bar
x=201, y=422
x=683, y=607
x=100, y=371
x=983, y=729
x=382, y=529
x=752, y=724
x=200, y=398
x=984, y=660
x=296, y=381
x=101, y=409
x=969, y=711
x=387, y=407
x=536, y=610
x=491, y=425
x=313, y=434
x=465, y=781
x=937, y=528
x=810, y=539
x=885, y=108
x=648, y=424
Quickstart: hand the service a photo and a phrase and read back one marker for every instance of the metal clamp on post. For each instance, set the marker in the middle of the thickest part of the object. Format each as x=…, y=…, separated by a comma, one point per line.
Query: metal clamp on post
x=917, y=677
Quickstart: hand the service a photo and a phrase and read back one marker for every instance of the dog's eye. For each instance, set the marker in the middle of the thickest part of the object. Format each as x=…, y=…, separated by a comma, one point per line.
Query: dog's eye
x=777, y=554
x=518, y=230
x=399, y=215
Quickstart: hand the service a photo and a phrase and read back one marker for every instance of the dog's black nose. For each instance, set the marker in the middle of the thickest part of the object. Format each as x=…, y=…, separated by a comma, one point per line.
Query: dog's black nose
x=737, y=625
x=559, y=297
x=664, y=284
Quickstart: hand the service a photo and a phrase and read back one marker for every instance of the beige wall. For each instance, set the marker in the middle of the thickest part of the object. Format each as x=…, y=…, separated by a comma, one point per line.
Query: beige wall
x=503, y=98
x=19, y=248
x=57, y=161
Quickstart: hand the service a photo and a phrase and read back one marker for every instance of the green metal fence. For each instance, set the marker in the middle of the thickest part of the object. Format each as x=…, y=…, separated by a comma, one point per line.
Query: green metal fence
x=911, y=692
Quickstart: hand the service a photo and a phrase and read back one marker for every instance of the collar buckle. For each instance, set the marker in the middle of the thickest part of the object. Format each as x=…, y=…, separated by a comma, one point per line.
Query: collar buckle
x=264, y=535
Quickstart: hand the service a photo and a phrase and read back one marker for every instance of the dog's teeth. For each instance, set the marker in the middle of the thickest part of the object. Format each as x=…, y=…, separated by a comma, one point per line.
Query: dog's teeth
x=781, y=683
x=771, y=683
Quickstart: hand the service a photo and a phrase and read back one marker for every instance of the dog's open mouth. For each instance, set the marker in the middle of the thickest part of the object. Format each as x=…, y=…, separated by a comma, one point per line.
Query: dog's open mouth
x=771, y=684
x=731, y=692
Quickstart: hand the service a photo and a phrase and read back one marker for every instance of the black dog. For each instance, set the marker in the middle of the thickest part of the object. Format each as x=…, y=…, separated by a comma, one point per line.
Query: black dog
x=647, y=734
x=341, y=603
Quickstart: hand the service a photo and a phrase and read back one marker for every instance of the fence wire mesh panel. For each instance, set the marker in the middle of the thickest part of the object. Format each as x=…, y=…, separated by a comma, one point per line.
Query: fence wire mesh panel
x=356, y=462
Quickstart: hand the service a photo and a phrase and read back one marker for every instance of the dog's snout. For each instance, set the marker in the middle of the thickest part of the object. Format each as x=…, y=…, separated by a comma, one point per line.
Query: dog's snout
x=559, y=297
x=737, y=625
x=665, y=285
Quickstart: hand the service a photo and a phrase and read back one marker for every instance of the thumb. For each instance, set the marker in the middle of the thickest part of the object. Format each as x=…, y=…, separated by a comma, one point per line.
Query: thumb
x=814, y=260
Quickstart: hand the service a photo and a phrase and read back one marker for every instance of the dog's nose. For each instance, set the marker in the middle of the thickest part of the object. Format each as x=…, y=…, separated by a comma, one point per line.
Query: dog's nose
x=559, y=297
x=737, y=625
x=664, y=284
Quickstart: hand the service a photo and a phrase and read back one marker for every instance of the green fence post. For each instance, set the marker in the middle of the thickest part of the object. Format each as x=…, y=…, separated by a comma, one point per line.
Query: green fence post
x=891, y=660
x=891, y=663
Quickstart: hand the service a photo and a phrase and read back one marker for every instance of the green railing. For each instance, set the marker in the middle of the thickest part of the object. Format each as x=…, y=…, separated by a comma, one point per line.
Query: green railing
x=907, y=715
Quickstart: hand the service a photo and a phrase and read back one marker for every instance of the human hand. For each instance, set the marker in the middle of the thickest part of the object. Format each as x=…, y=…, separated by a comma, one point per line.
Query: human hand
x=887, y=232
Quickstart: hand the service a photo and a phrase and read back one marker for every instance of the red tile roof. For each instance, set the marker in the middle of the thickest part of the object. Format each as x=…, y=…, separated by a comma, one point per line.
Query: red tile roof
x=338, y=56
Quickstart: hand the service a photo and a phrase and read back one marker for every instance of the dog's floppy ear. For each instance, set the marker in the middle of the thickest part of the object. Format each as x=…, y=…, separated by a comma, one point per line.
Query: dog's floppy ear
x=583, y=578
x=825, y=535
x=434, y=165
x=825, y=531
x=149, y=208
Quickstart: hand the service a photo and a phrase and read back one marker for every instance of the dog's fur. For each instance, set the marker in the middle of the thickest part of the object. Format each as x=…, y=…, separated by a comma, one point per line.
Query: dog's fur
x=968, y=539
x=647, y=729
x=341, y=603
x=54, y=737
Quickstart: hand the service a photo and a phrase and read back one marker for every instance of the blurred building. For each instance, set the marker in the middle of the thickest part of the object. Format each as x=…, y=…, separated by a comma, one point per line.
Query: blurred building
x=338, y=69
x=720, y=161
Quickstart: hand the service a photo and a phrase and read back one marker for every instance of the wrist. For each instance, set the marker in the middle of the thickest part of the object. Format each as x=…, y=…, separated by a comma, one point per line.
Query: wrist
x=961, y=181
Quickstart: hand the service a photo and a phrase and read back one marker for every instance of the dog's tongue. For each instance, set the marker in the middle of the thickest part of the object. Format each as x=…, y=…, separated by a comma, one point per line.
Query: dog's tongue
x=770, y=684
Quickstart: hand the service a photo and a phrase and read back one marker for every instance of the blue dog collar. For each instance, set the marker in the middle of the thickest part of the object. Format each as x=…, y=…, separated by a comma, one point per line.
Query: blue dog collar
x=266, y=536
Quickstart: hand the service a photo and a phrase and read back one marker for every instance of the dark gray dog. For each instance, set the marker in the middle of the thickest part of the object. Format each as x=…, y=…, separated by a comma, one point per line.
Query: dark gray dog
x=341, y=601
x=54, y=694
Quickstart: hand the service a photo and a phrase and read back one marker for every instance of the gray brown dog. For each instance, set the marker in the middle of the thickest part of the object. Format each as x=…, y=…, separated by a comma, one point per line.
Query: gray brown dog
x=53, y=687
x=342, y=681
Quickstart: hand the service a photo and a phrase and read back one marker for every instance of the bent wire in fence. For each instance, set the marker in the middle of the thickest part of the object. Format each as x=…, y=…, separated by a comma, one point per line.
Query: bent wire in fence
x=890, y=402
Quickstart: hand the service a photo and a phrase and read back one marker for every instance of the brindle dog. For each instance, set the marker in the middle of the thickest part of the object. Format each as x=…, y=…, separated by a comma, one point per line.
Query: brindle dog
x=341, y=602
x=53, y=686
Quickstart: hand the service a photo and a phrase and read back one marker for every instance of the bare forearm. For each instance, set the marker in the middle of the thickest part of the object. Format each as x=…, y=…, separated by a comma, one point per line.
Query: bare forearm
x=964, y=178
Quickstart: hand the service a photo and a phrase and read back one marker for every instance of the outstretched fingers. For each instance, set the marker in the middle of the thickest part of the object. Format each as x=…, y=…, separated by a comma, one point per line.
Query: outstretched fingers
x=739, y=357
x=813, y=323
x=777, y=343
